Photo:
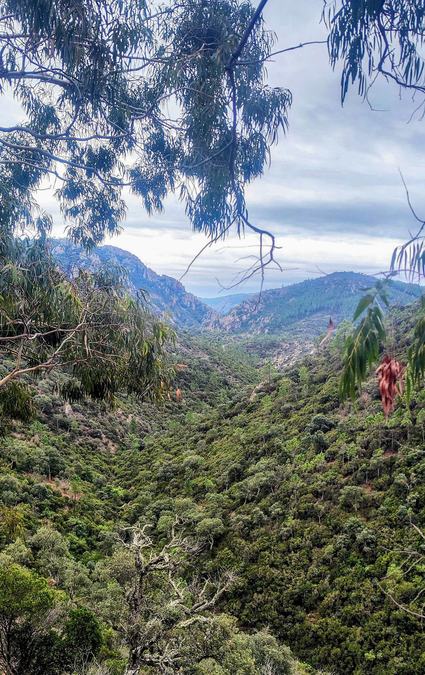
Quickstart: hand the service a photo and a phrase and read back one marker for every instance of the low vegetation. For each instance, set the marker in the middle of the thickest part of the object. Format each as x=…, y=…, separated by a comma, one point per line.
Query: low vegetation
x=270, y=515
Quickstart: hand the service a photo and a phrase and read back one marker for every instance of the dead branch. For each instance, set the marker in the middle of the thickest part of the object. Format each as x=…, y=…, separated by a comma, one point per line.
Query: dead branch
x=154, y=636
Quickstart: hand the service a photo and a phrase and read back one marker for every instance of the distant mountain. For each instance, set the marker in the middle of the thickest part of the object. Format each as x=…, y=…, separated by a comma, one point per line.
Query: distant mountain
x=300, y=311
x=224, y=303
x=166, y=296
x=309, y=303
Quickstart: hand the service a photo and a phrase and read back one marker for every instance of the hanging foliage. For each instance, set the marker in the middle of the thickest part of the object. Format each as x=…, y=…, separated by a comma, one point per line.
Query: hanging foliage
x=362, y=347
x=96, y=86
x=390, y=375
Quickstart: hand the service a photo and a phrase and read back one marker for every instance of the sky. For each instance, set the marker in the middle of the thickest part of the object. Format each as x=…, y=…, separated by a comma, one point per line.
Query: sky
x=333, y=195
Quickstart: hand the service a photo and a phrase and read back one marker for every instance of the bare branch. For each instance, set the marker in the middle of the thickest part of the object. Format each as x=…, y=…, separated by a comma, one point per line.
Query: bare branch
x=283, y=51
x=406, y=609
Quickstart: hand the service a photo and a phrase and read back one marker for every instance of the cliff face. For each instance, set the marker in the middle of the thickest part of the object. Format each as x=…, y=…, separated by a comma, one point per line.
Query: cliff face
x=166, y=295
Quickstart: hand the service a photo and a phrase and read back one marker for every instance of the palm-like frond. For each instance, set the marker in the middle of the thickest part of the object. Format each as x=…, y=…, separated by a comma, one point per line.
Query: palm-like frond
x=361, y=351
x=362, y=347
x=409, y=259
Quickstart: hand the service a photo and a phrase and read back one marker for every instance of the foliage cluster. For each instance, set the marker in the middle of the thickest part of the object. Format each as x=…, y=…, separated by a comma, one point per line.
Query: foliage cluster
x=88, y=326
x=309, y=502
x=96, y=86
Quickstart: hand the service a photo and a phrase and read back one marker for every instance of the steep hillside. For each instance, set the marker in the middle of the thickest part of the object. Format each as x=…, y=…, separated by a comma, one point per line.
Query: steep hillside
x=280, y=309
x=166, y=295
x=310, y=502
x=66, y=515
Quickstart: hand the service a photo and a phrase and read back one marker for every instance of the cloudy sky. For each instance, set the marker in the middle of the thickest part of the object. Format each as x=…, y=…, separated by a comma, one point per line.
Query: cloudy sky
x=333, y=195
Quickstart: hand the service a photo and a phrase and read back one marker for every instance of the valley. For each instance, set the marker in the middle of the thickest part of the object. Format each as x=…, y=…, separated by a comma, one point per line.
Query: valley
x=276, y=329
x=306, y=502
x=223, y=481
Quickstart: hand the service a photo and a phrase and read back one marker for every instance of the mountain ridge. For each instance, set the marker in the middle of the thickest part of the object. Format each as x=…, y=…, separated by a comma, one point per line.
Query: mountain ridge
x=224, y=303
x=335, y=295
x=167, y=296
x=297, y=311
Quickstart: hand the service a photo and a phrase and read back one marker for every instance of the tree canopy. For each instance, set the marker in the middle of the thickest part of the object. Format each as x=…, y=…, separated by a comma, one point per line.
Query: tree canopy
x=87, y=325
x=153, y=97
x=375, y=39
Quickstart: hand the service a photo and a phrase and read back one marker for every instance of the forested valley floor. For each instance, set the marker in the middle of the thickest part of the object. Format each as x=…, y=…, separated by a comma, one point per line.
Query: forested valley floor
x=312, y=509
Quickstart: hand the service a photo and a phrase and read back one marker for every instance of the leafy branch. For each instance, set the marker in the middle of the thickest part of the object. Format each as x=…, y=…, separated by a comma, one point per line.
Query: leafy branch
x=362, y=347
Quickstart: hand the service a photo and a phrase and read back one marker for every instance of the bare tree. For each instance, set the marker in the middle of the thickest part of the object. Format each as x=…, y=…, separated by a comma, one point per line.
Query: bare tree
x=163, y=604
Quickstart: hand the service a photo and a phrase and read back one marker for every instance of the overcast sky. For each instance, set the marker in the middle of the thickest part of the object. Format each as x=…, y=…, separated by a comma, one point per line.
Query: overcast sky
x=333, y=194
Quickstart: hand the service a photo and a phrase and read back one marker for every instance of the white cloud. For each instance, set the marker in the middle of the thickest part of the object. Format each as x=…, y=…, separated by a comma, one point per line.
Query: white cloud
x=333, y=194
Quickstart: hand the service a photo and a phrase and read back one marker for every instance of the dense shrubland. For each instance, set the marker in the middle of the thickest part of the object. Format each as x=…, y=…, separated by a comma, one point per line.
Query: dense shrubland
x=305, y=505
x=313, y=505
x=69, y=559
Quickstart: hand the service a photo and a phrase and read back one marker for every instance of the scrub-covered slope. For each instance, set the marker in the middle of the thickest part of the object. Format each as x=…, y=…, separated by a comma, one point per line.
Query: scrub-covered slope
x=313, y=503
x=309, y=502
x=334, y=295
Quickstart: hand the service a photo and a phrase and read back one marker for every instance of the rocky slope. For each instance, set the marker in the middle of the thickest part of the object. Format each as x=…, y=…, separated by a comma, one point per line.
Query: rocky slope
x=166, y=295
